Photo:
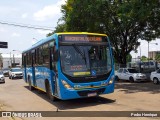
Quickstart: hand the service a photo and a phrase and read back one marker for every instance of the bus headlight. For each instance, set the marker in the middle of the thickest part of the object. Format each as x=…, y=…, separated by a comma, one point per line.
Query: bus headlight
x=66, y=85
x=111, y=80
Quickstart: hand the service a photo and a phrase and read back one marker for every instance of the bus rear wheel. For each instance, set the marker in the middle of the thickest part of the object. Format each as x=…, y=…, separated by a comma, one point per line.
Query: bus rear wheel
x=30, y=84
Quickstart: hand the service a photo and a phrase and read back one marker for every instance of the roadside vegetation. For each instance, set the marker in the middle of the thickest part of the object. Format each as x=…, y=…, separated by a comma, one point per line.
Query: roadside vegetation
x=124, y=21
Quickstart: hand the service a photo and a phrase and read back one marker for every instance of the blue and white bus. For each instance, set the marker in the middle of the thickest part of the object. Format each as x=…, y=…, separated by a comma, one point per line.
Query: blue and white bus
x=70, y=65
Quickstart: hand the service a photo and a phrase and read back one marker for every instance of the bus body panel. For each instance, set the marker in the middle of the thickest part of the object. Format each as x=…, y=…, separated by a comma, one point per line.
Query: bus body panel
x=73, y=94
x=85, y=88
x=24, y=75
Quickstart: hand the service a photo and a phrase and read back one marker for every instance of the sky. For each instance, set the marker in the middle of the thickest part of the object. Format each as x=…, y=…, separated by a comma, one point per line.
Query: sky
x=38, y=13
x=27, y=12
x=154, y=45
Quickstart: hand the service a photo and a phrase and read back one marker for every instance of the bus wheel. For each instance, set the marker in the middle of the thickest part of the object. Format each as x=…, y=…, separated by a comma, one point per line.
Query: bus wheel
x=30, y=85
x=49, y=92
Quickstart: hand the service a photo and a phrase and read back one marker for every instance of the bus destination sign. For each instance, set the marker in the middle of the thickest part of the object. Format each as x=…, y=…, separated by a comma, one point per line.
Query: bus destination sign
x=70, y=38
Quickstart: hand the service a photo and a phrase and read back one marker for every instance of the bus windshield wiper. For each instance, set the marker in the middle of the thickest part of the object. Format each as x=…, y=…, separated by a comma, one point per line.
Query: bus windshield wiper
x=80, y=52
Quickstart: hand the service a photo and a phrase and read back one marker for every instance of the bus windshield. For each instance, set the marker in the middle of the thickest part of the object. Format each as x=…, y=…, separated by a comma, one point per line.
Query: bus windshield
x=85, y=60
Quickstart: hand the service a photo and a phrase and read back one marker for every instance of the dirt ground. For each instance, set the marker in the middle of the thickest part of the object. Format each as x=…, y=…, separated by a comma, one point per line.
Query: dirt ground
x=145, y=96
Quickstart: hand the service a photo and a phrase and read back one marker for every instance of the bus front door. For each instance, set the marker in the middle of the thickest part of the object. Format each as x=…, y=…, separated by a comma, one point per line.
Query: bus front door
x=53, y=71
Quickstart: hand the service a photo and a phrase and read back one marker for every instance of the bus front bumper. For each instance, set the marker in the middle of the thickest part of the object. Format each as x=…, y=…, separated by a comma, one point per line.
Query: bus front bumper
x=73, y=94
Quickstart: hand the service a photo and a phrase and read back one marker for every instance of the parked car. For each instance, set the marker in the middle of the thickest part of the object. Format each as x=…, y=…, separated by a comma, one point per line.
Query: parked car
x=130, y=74
x=155, y=76
x=5, y=72
x=2, y=78
x=15, y=73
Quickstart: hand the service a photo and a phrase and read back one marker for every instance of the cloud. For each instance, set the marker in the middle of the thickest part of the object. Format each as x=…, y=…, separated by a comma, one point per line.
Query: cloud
x=16, y=35
x=49, y=12
x=34, y=40
x=25, y=15
x=44, y=32
x=7, y=9
x=3, y=30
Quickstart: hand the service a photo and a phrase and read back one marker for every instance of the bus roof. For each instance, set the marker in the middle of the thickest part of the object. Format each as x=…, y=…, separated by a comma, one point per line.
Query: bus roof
x=82, y=33
x=47, y=39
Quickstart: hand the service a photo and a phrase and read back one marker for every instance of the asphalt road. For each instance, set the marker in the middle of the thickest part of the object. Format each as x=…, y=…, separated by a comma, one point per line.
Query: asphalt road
x=15, y=96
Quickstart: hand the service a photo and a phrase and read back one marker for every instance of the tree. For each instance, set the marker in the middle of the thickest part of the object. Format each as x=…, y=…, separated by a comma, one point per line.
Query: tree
x=125, y=21
x=61, y=24
x=144, y=58
x=59, y=28
x=157, y=57
x=129, y=58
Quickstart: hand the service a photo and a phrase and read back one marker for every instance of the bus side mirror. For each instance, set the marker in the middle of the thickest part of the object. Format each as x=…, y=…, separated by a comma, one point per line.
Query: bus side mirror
x=56, y=55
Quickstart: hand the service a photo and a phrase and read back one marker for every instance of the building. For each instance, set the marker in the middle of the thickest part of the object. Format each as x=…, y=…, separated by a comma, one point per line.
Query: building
x=152, y=54
x=12, y=60
x=135, y=60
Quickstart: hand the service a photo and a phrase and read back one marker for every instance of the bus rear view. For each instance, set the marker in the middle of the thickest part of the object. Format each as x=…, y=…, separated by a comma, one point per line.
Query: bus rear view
x=82, y=66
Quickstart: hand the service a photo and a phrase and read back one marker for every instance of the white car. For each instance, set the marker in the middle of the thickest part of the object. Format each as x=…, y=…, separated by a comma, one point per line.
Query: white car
x=15, y=73
x=155, y=76
x=2, y=79
x=129, y=74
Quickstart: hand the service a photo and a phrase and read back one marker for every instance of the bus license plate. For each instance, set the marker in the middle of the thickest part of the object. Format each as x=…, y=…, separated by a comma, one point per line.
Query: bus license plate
x=92, y=94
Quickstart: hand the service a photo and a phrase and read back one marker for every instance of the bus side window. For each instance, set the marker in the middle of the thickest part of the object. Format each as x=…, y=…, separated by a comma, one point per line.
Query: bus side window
x=46, y=55
x=29, y=59
x=37, y=56
x=33, y=53
x=40, y=56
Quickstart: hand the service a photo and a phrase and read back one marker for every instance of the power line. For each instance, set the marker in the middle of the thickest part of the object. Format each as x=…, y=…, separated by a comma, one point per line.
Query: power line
x=26, y=26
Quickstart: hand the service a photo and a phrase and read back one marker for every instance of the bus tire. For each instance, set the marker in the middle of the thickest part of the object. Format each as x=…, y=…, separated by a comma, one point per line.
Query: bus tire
x=49, y=92
x=30, y=85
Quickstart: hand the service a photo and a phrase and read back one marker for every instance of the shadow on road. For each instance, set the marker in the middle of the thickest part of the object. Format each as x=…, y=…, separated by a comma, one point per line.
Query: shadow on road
x=128, y=87
x=83, y=102
x=74, y=103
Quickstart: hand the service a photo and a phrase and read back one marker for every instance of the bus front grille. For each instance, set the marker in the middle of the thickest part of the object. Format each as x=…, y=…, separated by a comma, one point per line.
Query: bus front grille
x=86, y=92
